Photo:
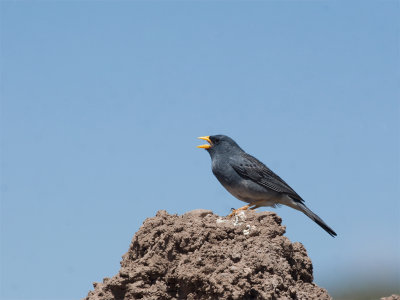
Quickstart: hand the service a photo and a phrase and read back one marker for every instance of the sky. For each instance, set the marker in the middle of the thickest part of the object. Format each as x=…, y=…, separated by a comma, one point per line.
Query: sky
x=102, y=102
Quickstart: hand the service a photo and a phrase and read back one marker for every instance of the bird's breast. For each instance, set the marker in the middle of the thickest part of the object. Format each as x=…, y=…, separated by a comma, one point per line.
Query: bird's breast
x=242, y=188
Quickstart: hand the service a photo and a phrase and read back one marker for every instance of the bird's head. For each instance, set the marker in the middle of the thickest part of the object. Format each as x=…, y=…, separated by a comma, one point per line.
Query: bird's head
x=219, y=144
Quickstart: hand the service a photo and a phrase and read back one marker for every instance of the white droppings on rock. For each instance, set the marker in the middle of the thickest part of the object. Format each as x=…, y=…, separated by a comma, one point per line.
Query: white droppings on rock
x=248, y=229
x=239, y=218
x=220, y=220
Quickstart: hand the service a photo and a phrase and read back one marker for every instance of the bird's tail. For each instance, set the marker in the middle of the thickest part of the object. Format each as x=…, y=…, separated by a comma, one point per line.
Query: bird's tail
x=303, y=208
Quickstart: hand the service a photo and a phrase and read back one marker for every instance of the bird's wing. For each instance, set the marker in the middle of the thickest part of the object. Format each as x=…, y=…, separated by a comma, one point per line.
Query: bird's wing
x=251, y=168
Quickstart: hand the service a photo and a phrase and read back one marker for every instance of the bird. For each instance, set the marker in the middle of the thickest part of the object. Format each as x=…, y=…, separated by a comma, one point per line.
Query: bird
x=251, y=181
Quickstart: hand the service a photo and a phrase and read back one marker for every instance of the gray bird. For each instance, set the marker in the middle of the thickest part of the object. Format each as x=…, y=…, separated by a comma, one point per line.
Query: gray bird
x=249, y=180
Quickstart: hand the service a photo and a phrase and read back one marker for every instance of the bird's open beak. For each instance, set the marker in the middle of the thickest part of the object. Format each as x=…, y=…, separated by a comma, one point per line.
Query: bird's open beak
x=205, y=146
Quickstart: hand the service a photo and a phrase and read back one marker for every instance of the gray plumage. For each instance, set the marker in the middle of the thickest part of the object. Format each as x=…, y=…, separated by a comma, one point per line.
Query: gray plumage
x=249, y=180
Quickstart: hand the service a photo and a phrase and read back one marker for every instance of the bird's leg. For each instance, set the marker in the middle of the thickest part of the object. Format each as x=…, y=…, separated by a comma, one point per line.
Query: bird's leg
x=255, y=207
x=235, y=211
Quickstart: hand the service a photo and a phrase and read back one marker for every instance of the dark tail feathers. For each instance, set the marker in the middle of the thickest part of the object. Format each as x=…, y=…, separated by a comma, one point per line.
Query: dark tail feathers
x=315, y=218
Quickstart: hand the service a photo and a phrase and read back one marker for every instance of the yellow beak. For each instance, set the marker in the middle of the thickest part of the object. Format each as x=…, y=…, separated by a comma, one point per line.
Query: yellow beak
x=206, y=146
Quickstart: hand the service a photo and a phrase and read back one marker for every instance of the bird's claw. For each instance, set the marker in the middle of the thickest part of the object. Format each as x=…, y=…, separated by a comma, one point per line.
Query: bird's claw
x=235, y=211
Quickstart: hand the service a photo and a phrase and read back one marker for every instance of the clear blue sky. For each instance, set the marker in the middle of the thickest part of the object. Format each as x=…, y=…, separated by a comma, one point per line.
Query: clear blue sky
x=102, y=102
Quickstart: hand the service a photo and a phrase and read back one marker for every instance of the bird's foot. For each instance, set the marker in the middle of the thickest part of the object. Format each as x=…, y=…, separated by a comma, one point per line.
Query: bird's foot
x=235, y=211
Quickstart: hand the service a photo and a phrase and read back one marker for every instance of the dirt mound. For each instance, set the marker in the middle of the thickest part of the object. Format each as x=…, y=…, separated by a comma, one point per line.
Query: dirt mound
x=200, y=255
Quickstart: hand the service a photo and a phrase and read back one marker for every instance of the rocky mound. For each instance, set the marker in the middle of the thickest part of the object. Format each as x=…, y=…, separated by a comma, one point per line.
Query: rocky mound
x=200, y=255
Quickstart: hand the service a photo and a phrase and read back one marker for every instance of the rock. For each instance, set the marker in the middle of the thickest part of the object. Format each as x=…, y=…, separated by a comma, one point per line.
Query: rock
x=200, y=255
x=392, y=297
x=198, y=212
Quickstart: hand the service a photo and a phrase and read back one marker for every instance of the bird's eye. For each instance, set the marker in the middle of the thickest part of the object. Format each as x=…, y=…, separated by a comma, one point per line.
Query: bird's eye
x=216, y=140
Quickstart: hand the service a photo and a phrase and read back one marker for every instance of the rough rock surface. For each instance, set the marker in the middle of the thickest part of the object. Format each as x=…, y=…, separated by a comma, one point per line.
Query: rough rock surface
x=200, y=255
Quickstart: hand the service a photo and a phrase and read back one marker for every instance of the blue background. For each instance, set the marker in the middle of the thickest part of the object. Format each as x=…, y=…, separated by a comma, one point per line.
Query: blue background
x=102, y=102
